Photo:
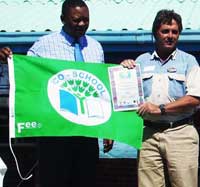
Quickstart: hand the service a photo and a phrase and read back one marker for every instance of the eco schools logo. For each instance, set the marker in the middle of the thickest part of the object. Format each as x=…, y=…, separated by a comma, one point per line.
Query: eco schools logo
x=80, y=97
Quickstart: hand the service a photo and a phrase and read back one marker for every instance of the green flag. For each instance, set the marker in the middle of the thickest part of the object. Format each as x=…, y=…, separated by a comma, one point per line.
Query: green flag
x=58, y=98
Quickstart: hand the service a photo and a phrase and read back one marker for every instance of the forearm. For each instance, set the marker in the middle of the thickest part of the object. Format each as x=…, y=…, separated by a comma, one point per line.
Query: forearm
x=172, y=107
x=181, y=104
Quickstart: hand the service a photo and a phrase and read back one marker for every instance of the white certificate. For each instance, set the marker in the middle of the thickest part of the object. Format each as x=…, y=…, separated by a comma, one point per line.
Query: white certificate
x=126, y=88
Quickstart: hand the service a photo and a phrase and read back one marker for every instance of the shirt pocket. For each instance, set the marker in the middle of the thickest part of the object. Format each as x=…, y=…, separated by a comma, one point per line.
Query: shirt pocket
x=177, y=86
x=147, y=79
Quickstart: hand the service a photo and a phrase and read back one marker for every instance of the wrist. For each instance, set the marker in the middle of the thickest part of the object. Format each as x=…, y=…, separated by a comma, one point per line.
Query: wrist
x=162, y=109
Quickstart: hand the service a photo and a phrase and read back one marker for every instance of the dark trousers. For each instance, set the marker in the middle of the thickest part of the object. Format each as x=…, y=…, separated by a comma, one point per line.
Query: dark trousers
x=68, y=161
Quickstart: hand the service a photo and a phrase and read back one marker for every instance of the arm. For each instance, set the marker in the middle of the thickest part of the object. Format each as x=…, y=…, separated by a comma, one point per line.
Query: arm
x=172, y=107
x=183, y=102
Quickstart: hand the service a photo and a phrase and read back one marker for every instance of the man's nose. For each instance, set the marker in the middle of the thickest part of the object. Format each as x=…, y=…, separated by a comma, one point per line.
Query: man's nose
x=81, y=23
x=170, y=34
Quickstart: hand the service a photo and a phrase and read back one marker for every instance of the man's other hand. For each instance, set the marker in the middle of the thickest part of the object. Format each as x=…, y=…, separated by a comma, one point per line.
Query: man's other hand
x=5, y=52
x=107, y=145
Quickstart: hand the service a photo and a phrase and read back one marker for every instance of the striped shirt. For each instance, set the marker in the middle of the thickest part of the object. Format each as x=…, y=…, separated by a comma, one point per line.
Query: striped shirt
x=59, y=45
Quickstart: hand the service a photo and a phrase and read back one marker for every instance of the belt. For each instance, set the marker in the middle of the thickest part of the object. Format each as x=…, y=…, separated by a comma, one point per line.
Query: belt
x=164, y=125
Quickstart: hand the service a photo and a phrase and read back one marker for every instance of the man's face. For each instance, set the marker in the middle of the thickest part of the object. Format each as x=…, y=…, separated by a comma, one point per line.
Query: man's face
x=76, y=21
x=167, y=36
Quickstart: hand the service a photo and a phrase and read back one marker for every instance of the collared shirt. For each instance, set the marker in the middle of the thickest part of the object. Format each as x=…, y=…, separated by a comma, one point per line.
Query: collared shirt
x=169, y=81
x=171, y=56
x=60, y=45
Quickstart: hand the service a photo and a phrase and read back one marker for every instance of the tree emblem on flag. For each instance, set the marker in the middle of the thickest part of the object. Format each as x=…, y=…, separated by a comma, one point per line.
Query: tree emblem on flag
x=79, y=89
x=80, y=97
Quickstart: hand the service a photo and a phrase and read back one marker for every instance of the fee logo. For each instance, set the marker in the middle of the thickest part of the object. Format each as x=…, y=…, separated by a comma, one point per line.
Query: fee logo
x=80, y=97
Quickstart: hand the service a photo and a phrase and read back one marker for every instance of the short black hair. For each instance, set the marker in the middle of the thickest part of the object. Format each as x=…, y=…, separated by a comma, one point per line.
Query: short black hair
x=165, y=16
x=72, y=3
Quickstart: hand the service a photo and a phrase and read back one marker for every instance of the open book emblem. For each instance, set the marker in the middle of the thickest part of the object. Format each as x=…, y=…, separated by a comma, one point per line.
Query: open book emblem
x=89, y=106
x=79, y=96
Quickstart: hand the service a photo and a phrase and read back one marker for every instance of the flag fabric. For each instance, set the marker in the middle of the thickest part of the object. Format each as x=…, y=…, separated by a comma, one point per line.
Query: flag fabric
x=57, y=98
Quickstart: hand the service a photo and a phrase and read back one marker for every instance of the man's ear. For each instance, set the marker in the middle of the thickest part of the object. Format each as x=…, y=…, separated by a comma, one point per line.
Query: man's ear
x=62, y=19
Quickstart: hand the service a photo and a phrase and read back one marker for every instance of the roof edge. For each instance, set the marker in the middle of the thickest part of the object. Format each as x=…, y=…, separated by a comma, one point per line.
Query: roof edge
x=135, y=36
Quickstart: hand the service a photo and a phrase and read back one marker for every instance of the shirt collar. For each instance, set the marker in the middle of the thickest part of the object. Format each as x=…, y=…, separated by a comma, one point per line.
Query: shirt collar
x=171, y=56
x=70, y=40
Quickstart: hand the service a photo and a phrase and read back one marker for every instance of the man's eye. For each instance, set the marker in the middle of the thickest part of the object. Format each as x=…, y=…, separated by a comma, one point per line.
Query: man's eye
x=165, y=31
x=175, y=32
x=86, y=20
x=76, y=20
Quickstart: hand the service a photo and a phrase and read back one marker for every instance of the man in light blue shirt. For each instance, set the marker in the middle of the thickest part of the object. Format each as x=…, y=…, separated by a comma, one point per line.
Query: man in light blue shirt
x=169, y=154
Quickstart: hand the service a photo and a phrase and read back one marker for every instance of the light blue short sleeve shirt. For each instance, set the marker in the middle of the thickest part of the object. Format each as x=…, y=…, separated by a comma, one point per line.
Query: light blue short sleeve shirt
x=169, y=81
